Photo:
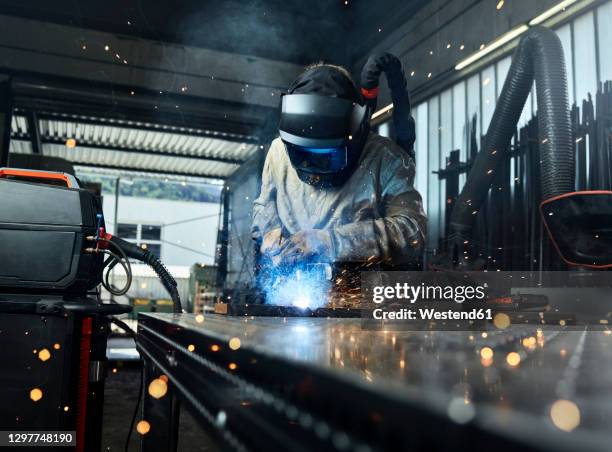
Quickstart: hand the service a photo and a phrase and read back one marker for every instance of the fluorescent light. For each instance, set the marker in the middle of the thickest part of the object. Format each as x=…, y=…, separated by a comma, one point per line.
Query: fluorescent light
x=551, y=12
x=382, y=111
x=503, y=39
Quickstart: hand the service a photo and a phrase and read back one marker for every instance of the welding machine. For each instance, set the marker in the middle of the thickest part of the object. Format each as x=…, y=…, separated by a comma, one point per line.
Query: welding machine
x=44, y=221
x=53, y=324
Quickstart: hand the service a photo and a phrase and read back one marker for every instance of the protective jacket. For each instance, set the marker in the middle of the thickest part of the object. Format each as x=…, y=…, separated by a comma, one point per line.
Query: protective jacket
x=375, y=215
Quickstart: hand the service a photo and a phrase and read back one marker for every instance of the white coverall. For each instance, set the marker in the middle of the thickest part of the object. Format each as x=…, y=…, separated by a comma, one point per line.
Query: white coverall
x=376, y=214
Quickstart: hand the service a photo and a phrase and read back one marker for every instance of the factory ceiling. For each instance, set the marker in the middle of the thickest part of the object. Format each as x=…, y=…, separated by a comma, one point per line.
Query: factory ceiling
x=191, y=89
x=286, y=30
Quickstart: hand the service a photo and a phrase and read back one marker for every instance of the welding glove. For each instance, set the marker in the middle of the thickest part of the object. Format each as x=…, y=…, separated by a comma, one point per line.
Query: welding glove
x=271, y=243
x=314, y=245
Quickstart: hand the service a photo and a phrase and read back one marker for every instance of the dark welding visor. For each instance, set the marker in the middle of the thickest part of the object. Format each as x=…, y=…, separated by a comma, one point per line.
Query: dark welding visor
x=312, y=122
x=318, y=160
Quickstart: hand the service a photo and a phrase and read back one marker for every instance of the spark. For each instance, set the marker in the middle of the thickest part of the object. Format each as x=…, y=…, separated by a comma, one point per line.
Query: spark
x=565, y=415
x=158, y=388
x=191, y=347
x=232, y=366
x=513, y=359
x=143, y=427
x=501, y=320
x=214, y=348
x=71, y=143
x=44, y=355
x=486, y=353
x=500, y=5
x=234, y=343
x=36, y=394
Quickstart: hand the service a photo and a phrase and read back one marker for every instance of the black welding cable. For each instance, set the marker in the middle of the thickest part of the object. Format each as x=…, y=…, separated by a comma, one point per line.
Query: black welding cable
x=126, y=267
x=118, y=248
x=131, y=332
x=152, y=261
x=108, y=285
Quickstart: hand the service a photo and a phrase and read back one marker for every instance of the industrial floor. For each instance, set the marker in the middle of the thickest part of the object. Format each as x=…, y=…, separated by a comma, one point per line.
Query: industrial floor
x=120, y=399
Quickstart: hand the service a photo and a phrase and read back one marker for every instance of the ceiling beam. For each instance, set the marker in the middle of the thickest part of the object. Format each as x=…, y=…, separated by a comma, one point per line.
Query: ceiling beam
x=150, y=171
x=152, y=153
x=148, y=127
x=6, y=118
x=71, y=97
x=34, y=132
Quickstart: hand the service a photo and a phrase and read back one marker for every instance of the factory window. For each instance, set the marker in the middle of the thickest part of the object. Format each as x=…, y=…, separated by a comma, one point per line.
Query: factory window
x=433, y=188
x=444, y=121
x=149, y=232
x=460, y=124
x=488, y=96
x=127, y=231
x=421, y=151
x=565, y=36
x=604, y=19
x=144, y=235
x=584, y=57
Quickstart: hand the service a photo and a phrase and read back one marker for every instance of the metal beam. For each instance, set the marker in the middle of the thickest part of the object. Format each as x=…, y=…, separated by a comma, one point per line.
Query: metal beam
x=71, y=96
x=6, y=116
x=150, y=171
x=34, y=132
x=149, y=127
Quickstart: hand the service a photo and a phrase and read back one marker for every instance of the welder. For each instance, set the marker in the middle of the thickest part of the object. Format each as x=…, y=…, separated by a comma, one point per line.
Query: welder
x=332, y=190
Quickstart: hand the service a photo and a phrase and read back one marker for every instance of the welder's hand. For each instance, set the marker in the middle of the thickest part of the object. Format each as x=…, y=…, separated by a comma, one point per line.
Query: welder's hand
x=271, y=243
x=305, y=245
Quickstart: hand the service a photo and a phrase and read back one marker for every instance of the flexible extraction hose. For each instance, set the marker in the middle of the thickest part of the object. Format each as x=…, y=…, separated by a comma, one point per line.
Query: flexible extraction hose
x=539, y=57
x=167, y=280
x=402, y=118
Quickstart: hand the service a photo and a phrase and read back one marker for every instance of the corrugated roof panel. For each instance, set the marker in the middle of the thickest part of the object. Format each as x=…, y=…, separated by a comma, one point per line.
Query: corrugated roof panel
x=19, y=125
x=136, y=161
x=20, y=147
x=194, y=151
x=109, y=136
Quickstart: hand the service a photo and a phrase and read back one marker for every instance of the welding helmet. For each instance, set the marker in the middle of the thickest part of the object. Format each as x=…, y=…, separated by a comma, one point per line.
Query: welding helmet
x=323, y=125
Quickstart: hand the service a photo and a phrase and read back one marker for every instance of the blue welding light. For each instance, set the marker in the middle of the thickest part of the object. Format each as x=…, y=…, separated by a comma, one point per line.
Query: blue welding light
x=302, y=286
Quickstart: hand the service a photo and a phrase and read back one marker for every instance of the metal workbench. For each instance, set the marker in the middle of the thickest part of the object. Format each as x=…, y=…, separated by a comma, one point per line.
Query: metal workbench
x=326, y=384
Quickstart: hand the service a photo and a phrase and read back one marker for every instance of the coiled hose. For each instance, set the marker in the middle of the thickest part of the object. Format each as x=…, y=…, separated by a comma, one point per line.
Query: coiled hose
x=167, y=280
x=539, y=57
